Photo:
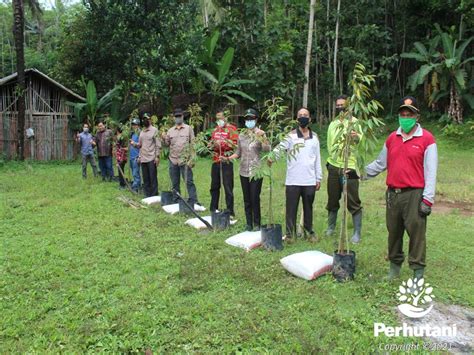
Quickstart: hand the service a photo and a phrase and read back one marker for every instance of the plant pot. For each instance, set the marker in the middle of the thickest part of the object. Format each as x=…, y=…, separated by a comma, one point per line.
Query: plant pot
x=220, y=220
x=183, y=208
x=166, y=198
x=272, y=237
x=344, y=266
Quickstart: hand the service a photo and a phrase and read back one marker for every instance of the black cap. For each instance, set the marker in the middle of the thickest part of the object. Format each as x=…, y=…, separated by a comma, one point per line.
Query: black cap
x=178, y=112
x=250, y=114
x=410, y=103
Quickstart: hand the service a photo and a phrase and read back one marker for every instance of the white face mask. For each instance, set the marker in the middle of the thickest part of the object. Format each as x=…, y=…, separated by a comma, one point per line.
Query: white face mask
x=250, y=124
x=221, y=123
x=85, y=129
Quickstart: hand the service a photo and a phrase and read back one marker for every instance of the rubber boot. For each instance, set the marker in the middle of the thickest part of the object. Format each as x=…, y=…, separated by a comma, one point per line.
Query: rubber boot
x=357, y=221
x=394, y=271
x=332, y=218
x=418, y=273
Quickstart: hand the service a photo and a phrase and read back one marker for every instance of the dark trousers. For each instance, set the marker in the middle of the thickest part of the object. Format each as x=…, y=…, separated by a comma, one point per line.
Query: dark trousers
x=402, y=215
x=122, y=170
x=335, y=188
x=186, y=172
x=251, y=189
x=293, y=195
x=150, y=180
x=106, y=168
x=88, y=158
x=227, y=182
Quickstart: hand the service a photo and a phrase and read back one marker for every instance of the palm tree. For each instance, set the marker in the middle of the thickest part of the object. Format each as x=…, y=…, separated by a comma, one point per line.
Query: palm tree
x=19, y=36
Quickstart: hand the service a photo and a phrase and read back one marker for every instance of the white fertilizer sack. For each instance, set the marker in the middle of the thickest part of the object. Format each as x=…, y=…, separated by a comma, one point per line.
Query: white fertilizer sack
x=308, y=265
x=173, y=209
x=246, y=240
x=196, y=223
x=153, y=200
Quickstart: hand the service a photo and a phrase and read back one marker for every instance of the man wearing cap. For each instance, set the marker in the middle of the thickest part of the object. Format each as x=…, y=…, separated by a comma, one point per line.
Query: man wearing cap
x=303, y=174
x=180, y=138
x=134, y=153
x=150, y=147
x=223, y=140
x=411, y=158
x=335, y=167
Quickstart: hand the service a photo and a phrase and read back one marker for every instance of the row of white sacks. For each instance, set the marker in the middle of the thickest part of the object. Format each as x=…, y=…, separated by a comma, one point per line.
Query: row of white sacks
x=308, y=264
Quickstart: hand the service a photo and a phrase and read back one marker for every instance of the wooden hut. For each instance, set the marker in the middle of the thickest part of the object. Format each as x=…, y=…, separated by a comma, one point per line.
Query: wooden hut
x=47, y=114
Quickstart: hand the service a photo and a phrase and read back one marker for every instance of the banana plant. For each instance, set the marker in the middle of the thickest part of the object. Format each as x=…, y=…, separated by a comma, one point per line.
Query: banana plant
x=448, y=68
x=217, y=73
x=94, y=106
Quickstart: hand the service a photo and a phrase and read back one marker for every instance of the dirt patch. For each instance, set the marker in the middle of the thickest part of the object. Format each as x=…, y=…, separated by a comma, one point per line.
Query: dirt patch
x=443, y=315
x=447, y=207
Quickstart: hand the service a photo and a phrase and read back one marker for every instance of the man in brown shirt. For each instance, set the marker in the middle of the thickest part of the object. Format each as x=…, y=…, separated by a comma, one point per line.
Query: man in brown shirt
x=150, y=148
x=179, y=138
x=104, y=140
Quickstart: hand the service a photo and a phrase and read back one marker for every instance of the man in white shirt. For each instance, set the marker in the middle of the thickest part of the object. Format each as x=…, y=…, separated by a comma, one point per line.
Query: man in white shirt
x=303, y=174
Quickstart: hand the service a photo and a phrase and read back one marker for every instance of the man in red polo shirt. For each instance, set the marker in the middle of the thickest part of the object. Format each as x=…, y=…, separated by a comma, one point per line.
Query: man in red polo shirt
x=410, y=156
x=223, y=140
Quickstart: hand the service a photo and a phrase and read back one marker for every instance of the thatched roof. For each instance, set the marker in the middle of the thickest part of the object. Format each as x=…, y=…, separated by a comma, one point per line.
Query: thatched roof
x=13, y=76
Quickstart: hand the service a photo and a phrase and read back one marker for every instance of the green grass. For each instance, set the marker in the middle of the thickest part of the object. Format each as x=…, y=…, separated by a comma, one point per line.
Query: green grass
x=82, y=272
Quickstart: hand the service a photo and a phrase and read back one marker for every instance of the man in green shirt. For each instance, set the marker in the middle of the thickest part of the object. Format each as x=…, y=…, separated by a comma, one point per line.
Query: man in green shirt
x=335, y=166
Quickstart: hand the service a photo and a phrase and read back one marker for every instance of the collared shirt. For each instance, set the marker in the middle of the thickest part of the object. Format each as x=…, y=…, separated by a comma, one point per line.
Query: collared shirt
x=228, y=138
x=249, y=147
x=104, y=143
x=150, y=144
x=178, y=139
x=410, y=162
x=304, y=168
x=134, y=151
x=85, y=140
x=335, y=150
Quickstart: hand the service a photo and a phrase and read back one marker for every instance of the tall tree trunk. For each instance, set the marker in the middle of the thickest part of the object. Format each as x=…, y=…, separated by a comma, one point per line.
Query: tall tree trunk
x=336, y=42
x=308, y=52
x=455, y=106
x=18, y=33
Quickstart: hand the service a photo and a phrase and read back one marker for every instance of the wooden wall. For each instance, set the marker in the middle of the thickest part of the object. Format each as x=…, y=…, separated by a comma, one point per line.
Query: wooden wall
x=48, y=115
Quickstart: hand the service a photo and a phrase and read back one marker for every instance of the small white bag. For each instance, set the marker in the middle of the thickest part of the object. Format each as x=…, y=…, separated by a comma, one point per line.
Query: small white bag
x=196, y=223
x=246, y=240
x=174, y=208
x=308, y=265
x=153, y=200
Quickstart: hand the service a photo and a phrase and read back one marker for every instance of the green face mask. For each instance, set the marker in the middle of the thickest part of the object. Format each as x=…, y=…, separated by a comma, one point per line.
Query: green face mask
x=406, y=124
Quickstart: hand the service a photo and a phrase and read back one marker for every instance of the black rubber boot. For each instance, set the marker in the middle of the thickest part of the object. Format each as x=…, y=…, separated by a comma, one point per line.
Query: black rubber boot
x=357, y=221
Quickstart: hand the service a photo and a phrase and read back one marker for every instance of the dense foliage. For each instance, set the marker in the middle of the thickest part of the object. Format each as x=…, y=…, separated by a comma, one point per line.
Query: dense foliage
x=156, y=49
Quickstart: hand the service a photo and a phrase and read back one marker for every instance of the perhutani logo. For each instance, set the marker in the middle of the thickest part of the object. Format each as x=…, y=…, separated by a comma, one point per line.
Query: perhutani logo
x=415, y=294
x=417, y=297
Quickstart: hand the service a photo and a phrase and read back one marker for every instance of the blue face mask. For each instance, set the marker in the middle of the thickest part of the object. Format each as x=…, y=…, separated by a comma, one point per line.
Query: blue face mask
x=250, y=123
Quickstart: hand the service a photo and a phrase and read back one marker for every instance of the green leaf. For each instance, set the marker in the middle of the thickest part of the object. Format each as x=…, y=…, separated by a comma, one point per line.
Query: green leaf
x=469, y=99
x=421, y=48
x=234, y=83
x=459, y=77
x=448, y=45
x=240, y=93
x=462, y=47
x=413, y=55
x=207, y=75
x=231, y=99
x=224, y=65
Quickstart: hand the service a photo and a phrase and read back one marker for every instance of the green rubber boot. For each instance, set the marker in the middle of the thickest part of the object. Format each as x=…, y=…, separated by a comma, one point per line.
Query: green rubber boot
x=418, y=273
x=394, y=272
x=332, y=218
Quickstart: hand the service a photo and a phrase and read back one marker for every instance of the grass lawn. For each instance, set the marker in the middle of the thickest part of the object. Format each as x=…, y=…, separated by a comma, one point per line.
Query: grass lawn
x=81, y=272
